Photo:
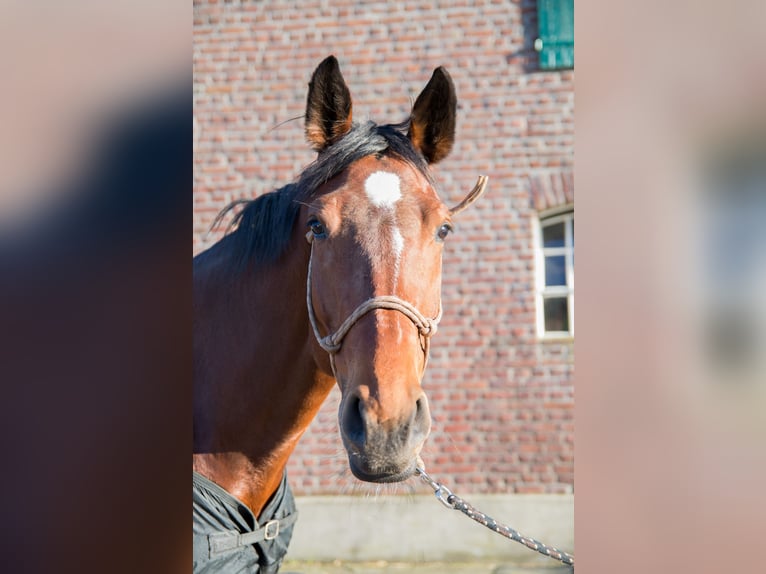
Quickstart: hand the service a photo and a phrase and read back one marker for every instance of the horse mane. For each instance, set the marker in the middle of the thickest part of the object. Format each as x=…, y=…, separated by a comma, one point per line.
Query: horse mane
x=261, y=230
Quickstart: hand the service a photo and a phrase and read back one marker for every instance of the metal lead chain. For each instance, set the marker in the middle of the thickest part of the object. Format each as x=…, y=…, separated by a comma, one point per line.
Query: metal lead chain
x=442, y=493
x=451, y=500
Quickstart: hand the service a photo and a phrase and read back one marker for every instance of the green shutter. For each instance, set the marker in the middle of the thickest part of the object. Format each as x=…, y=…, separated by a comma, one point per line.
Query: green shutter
x=555, y=26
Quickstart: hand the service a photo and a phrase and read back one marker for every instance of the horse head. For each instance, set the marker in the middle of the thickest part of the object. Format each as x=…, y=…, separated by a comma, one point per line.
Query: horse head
x=376, y=231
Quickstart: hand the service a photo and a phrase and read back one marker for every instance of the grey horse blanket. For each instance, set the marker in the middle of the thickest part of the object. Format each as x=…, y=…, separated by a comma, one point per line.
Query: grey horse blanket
x=228, y=537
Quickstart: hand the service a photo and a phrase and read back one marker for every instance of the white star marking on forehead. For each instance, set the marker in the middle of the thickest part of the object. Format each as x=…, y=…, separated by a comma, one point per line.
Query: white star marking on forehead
x=383, y=189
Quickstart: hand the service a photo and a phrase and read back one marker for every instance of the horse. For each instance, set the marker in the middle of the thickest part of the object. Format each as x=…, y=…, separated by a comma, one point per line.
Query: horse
x=333, y=279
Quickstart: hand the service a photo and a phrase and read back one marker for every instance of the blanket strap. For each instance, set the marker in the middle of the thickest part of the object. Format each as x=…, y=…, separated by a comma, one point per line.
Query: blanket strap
x=221, y=542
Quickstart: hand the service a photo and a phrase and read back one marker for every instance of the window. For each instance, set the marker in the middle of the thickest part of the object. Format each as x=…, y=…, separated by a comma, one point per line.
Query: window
x=555, y=276
x=555, y=26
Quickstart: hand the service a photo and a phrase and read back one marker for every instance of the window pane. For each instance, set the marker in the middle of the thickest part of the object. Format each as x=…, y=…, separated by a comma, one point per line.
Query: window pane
x=556, y=317
x=553, y=235
x=572, y=231
x=555, y=270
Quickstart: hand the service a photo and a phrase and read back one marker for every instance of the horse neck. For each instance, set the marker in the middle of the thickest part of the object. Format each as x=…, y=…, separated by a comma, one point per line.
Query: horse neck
x=257, y=385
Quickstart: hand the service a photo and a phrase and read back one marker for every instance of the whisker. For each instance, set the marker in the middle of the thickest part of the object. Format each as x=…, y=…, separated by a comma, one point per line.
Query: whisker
x=280, y=124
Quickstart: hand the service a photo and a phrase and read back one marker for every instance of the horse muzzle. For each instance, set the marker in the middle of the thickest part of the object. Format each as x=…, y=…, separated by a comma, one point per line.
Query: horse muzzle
x=383, y=450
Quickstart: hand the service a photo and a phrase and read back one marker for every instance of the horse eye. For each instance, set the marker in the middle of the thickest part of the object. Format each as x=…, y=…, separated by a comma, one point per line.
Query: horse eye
x=317, y=228
x=444, y=230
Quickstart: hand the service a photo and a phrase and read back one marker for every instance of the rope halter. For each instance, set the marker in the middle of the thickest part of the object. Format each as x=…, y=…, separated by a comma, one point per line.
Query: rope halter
x=332, y=343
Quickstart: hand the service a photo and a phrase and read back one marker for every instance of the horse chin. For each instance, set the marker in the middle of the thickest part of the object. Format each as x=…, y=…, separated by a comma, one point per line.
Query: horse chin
x=386, y=475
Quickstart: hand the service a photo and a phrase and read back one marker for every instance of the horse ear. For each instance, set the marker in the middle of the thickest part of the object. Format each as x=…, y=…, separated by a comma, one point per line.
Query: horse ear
x=432, y=122
x=328, y=105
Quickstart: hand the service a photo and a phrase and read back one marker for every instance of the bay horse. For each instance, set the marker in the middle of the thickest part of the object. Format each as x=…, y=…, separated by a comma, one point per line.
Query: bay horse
x=332, y=279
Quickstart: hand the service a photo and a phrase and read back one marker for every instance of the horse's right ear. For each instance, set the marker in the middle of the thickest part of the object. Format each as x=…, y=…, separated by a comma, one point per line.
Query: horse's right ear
x=328, y=105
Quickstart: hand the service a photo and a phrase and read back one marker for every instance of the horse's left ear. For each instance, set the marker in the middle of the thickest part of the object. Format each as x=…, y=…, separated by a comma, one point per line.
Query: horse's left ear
x=432, y=122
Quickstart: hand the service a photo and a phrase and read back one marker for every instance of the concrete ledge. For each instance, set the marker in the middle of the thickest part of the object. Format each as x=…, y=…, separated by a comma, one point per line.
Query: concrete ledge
x=420, y=529
x=381, y=567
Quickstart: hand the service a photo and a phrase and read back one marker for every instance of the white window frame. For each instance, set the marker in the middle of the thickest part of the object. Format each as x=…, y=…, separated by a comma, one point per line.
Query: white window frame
x=545, y=218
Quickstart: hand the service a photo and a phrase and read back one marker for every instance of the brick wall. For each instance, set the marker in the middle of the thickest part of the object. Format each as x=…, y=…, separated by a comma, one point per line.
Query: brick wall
x=502, y=400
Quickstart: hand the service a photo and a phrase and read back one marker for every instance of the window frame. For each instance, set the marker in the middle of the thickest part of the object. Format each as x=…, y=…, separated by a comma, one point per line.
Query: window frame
x=545, y=218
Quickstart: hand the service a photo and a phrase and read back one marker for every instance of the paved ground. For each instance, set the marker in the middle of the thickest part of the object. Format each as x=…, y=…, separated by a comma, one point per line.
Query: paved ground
x=380, y=567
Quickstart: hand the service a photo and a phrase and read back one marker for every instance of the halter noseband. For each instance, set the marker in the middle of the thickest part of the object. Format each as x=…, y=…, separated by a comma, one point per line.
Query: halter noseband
x=332, y=343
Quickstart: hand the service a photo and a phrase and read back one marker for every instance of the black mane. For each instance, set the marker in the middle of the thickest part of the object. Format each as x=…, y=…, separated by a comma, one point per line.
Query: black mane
x=261, y=231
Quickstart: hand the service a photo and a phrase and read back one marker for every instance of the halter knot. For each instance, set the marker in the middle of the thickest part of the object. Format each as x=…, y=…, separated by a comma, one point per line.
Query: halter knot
x=328, y=344
x=429, y=329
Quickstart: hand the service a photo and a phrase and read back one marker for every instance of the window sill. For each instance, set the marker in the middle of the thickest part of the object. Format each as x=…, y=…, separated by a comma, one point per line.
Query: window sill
x=556, y=338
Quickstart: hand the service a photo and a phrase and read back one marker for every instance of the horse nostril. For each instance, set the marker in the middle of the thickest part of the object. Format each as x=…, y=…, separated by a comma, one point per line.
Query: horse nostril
x=422, y=418
x=353, y=421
